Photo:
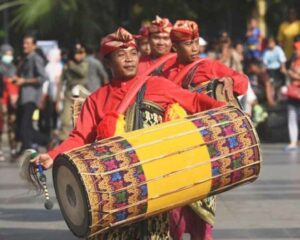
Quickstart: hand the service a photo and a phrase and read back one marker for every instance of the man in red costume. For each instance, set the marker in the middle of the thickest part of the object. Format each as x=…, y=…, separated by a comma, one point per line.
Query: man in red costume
x=97, y=119
x=189, y=71
x=184, y=70
x=142, y=41
x=160, y=43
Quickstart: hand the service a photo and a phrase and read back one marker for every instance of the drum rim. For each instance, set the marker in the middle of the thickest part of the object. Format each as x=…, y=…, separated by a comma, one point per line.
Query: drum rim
x=64, y=160
x=216, y=85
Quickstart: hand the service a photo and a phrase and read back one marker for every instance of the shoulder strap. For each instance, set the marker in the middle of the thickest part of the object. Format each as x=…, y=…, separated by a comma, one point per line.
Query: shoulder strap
x=132, y=93
x=185, y=70
x=140, y=82
x=186, y=83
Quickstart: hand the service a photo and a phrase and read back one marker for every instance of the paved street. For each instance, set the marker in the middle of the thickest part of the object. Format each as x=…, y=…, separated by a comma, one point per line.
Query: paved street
x=266, y=209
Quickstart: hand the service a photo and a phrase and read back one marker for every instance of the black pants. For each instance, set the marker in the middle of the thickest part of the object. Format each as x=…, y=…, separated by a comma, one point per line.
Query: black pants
x=28, y=135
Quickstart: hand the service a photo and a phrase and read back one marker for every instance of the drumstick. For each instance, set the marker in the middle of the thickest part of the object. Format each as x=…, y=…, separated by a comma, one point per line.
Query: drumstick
x=35, y=175
x=48, y=204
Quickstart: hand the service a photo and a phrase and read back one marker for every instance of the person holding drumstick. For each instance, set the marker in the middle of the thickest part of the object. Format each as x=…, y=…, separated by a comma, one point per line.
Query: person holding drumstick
x=99, y=115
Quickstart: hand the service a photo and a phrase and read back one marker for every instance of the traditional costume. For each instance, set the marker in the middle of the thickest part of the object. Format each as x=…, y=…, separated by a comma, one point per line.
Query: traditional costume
x=205, y=70
x=158, y=25
x=146, y=109
x=197, y=218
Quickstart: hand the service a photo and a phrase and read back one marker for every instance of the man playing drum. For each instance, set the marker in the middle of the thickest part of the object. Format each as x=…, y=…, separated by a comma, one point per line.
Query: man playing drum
x=100, y=116
x=189, y=71
x=160, y=44
x=193, y=70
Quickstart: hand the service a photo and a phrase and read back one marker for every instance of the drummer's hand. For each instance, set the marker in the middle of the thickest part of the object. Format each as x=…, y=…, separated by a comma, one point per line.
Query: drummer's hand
x=44, y=159
x=228, y=87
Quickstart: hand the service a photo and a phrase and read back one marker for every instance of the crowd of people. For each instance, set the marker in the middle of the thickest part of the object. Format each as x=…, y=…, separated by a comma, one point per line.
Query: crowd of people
x=37, y=93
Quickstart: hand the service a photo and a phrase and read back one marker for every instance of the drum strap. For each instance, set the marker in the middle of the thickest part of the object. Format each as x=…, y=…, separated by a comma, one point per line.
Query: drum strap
x=143, y=113
x=138, y=120
x=138, y=84
x=189, y=77
x=186, y=70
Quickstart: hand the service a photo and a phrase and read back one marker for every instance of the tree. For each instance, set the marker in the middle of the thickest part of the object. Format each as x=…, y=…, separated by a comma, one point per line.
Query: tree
x=66, y=20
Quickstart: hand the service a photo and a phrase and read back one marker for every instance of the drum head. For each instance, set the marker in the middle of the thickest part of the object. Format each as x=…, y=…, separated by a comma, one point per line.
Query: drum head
x=71, y=196
x=218, y=95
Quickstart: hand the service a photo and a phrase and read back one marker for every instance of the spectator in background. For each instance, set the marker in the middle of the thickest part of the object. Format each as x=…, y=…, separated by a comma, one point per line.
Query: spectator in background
x=213, y=49
x=294, y=102
x=96, y=76
x=74, y=78
x=261, y=82
x=10, y=94
x=30, y=79
x=202, y=48
x=54, y=71
x=228, y=56
x=274, y=59
x=263, y=91
x=287, y=32
x=238, y=48
x=42, y=114
x=253, y=40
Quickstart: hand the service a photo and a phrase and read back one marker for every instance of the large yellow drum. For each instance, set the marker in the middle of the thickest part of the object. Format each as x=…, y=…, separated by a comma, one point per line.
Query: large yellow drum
x=139, y=174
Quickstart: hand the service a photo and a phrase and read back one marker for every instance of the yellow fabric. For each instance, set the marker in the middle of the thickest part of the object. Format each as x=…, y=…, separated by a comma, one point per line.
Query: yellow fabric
x=36, y=115
x=120, y=125
x=287, y=32
x=175, y=111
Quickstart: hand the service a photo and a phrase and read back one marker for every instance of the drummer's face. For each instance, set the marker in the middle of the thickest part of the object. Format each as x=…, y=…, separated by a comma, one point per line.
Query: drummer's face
x=160, y=44
x=123, y=63
x=187, y=51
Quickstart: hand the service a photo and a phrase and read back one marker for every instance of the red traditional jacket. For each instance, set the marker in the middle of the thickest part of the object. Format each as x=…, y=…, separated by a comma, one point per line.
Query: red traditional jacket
x=107, y=99
x=206, y=70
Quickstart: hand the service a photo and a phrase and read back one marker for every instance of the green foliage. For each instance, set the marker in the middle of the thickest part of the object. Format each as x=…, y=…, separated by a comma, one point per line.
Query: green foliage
x=89, y=20
x=66, y=20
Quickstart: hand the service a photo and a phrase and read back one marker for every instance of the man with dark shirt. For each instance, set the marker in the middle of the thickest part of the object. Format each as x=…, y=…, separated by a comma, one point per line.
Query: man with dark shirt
x=97, y=76
x=30, y=79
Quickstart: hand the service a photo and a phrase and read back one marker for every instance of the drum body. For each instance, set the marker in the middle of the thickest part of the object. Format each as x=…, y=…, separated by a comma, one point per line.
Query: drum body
x=145, y=172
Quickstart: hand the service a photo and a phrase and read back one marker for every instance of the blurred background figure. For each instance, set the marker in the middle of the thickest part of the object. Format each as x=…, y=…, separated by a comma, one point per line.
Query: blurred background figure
x=97, y=75
x=31, y=76
x=262, y=86
x=142, y=40
x=238, y=48
x=10, y=94
x=274, y=59
x=288, y=30
x=228, y=54
x=202, y=48
x=254, y=39
x=54, y=71
x=74, y=79
x=293, y=94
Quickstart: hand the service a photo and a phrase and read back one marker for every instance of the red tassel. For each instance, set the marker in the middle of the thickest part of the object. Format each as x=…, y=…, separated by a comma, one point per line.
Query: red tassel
x=107, y=127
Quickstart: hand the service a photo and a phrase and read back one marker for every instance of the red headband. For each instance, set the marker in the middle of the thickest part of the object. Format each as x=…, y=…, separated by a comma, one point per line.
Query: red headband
x=184, y=30
x=119, y=39
x=160, y=25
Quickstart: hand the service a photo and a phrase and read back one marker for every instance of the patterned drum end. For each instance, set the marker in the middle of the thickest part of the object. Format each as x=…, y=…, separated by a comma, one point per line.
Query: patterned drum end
x=71, y=196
